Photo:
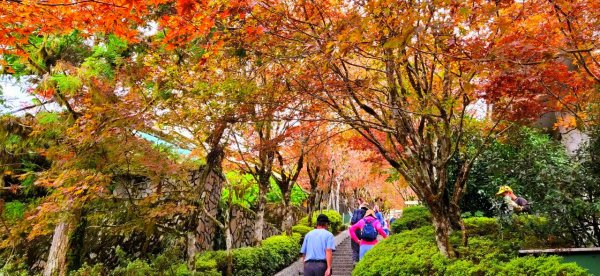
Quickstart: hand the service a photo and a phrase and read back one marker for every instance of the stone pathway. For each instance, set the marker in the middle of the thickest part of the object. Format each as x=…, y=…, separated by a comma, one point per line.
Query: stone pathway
x=342, y=259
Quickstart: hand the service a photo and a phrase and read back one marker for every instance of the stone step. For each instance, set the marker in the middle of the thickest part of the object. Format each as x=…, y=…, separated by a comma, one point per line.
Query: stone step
x=342, y=259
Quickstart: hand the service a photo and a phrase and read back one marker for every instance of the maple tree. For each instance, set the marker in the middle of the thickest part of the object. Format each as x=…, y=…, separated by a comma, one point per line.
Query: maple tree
x=406, y=74
x=272, y=84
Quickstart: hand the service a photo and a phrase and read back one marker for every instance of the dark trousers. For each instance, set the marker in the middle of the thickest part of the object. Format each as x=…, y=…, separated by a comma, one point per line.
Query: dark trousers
x=355, y=250
x=314, y=269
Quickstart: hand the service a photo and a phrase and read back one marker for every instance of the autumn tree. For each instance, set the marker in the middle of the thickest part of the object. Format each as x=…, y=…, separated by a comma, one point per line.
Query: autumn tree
x=408, y=76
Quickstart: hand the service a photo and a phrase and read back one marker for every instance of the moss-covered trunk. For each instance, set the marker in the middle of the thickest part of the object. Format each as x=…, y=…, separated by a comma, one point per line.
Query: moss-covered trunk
x=56, y=263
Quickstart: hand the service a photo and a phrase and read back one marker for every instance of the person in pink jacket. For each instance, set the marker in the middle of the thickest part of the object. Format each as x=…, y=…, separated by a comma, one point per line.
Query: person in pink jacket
x=369, y=228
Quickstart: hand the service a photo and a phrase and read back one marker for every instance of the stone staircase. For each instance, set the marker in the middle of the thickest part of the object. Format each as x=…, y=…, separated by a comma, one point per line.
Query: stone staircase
x=342, y=259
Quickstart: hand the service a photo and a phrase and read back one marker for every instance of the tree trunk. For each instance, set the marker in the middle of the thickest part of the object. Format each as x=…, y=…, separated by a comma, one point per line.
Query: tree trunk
x=263, y=189
x=288, y=217
x=337, y=197
x=57, y=255
x=441, y=223
x=229, y=247
x=228, y=239
x=313, y=176
x=288, y=220
x=319, y=201
x=312, y=198
x=78, y=243
x=210, y=181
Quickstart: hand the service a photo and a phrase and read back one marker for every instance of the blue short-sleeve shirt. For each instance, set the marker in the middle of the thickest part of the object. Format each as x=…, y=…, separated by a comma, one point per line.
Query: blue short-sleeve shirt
x=315, y=243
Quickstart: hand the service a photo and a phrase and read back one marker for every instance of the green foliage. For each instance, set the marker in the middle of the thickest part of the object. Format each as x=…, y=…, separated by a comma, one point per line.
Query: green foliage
x=409, y=253
x=135, y=268
x=274, y=254
x=481, y=226
x=45, y=118
x=412, y=218
x=16, y=64
x=298, y=195
x=168, y=263
x=335, y=220
x=14, y=211
x=414, y=252
x=560, y=188
x=301, y=229
x=211, y=262
x=245, y=191
x=67, y=84
x=285, y=247
x=87, y=270
x=14, y=268
x=105, y=57
x=529, y=161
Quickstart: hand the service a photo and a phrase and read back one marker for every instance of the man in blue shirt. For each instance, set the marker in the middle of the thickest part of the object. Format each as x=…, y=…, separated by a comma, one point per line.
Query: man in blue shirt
x=317, y=249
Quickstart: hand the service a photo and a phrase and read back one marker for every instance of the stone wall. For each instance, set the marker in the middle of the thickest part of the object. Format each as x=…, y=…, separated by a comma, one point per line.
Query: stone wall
x=242, y=222
x=208, y=237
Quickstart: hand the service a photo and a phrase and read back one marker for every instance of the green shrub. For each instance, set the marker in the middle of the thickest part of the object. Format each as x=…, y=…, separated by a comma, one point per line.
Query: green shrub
x=302, y=229
x=211, y=262
x=408, y=253
x=135, y=268
x=248, y=259
x=169, y=263
x=274, y=254
x=532, y=232
x=11, y=268
x=482, y=226
x=14, y=211
x=285, y=247
x=414, y=252
x=87, y=270
x=548, y=265
x=335, y=220
x=412, y=218
x=482, y=248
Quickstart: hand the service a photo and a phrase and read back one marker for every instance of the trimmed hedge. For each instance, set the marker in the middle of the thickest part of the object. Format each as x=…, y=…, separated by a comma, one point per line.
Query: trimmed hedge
x=414, y=252
x=335, y=220
x=302, y=229
x=412, y=218
x=274, y=254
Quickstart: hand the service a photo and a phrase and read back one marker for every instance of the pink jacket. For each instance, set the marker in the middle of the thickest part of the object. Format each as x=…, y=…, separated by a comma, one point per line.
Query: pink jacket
x=360, y=224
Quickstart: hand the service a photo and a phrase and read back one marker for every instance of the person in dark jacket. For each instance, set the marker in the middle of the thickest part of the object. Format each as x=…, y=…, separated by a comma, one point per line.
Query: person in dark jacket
x=357, y=215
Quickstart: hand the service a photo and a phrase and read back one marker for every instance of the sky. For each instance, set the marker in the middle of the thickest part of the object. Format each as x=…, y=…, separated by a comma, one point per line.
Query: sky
x=15, y=96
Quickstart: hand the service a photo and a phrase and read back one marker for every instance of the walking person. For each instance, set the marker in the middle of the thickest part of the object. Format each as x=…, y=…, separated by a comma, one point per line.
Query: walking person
x=369, y=227
x=317, y=249
x=357, y=215
x=381, y=220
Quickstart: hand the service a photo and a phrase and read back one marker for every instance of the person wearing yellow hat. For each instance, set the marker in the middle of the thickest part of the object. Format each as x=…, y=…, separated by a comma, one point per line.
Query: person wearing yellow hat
x=514, y=203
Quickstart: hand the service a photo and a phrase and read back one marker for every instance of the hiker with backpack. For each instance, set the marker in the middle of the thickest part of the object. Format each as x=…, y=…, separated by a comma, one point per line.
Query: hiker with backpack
x=369, y=228
x=357, y=215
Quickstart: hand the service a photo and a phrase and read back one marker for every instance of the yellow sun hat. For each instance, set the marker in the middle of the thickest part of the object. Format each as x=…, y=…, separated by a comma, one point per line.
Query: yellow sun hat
x=504, y=189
